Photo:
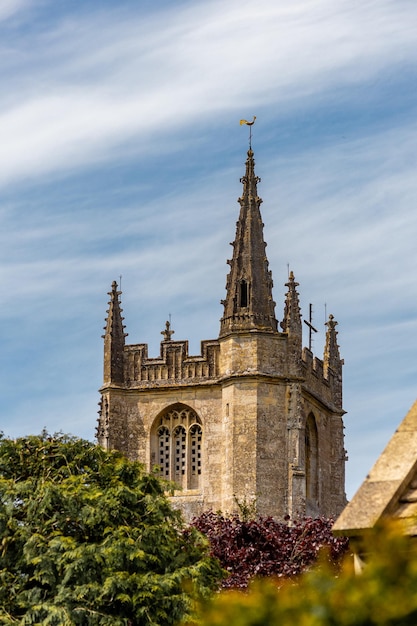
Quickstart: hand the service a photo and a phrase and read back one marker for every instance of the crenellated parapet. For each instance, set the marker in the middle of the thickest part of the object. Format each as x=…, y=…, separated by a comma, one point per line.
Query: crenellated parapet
x=321, y=381
x=174, y=366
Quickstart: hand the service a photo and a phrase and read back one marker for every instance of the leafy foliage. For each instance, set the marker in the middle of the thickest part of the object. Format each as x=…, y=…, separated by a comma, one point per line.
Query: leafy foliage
x=87, y=537
x=266, y=547
x=385, y=594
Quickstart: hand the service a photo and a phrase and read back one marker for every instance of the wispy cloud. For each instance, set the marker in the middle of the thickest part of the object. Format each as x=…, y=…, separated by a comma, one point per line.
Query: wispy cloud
x=86, y=86
x=8, y=8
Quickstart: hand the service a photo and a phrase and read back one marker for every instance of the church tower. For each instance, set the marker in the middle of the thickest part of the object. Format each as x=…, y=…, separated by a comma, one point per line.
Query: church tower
x=255, y=418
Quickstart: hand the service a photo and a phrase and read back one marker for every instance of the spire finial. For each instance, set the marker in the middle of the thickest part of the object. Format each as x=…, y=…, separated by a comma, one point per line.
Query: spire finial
x=292, y=318
x=331, y=350
x=114, y=338
x=167, y=332
x=332, y=361
x=250, y=124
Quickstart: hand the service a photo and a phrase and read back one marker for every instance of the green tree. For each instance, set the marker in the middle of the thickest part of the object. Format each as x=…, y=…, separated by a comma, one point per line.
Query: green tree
x=87, y=537
x=384, y=594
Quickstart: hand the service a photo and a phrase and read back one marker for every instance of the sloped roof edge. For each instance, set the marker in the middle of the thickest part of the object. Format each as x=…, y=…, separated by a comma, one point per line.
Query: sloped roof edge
x=380, y=492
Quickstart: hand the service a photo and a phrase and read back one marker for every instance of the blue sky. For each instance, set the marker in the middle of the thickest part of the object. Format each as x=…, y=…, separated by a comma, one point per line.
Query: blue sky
x=121, y=154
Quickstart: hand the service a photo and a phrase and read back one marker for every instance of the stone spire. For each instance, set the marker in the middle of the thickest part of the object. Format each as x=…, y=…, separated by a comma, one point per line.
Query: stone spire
x=332, y=361
x=114, y=339
x=331, y=356
x=291, y=323
x=249, y=304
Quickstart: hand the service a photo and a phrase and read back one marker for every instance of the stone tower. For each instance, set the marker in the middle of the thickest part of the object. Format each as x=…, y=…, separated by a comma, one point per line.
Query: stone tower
x=254, y=418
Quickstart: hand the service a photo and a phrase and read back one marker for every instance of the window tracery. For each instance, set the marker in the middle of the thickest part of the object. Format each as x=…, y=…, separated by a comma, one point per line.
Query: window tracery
x=177, y=444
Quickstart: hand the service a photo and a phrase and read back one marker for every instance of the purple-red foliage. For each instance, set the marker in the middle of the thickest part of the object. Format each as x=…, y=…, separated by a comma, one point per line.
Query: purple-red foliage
x=266, y=547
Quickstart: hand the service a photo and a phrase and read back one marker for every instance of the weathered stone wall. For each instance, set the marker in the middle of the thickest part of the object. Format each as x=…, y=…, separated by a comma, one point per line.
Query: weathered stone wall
x=271, y=456
x=133, y=413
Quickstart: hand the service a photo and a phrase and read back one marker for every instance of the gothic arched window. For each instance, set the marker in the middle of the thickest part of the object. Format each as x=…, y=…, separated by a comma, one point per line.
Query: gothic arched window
x=177, y=445
x=312, y=461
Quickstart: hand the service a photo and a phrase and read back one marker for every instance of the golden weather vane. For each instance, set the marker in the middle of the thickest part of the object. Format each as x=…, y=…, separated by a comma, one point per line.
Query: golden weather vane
x=250, y=124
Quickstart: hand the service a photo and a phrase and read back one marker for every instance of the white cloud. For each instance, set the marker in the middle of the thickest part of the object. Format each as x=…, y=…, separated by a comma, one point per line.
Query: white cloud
x=98, y=83
x=8, y=8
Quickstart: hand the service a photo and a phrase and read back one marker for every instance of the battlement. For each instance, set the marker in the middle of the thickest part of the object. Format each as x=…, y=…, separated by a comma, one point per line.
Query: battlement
x=321, y=381
x=174, y=365
x=313, y=363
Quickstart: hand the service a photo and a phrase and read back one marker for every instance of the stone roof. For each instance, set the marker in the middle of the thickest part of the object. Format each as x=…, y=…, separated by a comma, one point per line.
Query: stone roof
x=390, y=489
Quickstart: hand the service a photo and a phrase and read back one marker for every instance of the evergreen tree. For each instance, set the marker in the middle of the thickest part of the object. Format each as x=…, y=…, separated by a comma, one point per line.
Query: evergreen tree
x=88, y=538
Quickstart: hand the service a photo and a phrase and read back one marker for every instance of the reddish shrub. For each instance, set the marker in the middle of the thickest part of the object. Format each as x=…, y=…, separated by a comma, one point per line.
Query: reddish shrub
x=266, y=547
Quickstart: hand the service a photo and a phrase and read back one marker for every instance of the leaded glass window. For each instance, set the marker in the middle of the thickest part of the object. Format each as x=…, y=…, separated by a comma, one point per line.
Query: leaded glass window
x=177, y=446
